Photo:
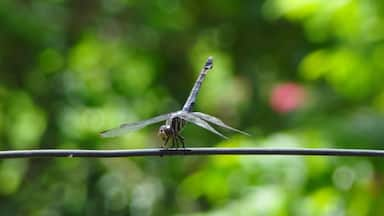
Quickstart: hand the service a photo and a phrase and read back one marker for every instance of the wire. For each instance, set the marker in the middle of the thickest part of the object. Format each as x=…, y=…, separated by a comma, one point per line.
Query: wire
x=189, y=151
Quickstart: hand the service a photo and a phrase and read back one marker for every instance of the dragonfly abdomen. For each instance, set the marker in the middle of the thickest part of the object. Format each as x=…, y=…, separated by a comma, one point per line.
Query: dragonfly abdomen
x=196, y=87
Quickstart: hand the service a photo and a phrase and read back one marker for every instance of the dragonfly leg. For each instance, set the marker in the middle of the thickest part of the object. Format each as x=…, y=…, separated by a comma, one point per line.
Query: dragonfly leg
x=165, y=143
x=181, y=139
x=173, y=142
x=177, y=141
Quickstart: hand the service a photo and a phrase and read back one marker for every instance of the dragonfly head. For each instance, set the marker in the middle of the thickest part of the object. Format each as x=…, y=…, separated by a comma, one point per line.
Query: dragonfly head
x=164, y=132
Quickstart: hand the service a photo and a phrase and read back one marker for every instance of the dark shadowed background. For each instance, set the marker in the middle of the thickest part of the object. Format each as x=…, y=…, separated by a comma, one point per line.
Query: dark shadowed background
x=291, y=73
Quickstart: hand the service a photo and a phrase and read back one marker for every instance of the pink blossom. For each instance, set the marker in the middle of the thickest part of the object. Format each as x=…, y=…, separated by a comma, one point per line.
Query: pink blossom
x=287, y=97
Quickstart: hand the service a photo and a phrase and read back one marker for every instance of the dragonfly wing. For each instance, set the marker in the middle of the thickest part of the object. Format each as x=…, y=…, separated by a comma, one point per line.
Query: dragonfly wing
x=216, y=121
x=133, y=126
x=199, y=122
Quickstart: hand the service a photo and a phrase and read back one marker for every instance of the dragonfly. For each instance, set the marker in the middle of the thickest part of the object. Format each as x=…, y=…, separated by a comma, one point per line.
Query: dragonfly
x=175, y=121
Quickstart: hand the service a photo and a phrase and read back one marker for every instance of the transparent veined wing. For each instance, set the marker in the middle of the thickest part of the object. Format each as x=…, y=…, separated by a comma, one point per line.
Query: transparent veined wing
x=124, y=128
x=199, y=122
x=216, y=121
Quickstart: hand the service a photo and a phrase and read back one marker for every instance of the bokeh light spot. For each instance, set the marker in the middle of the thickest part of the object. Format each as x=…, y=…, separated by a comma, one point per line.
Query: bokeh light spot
x=287, y=97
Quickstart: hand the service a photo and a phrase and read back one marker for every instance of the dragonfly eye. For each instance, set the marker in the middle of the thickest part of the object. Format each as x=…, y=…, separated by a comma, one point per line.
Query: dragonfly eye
x=163, y=132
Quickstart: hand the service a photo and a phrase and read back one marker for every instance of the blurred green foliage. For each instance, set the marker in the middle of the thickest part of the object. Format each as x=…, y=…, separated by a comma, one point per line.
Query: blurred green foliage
x=69, y=69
